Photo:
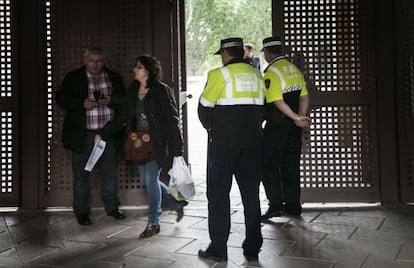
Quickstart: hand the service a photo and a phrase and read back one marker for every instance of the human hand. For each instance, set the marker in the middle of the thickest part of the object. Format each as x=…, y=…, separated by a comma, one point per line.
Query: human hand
x=89, y=104
x=97, y=138
x=303, y=121
x=105, y=100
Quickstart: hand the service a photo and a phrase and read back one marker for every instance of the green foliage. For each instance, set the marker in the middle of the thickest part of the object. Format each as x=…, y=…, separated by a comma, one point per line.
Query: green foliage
x=209, y=21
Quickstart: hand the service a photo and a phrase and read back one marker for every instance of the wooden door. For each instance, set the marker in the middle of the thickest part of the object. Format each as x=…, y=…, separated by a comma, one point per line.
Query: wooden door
x=125, y=29
x=332, y=43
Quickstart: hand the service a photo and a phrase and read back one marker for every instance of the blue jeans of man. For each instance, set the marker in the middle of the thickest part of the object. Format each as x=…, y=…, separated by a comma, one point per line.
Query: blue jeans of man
x=149, y=174
x=108, y=168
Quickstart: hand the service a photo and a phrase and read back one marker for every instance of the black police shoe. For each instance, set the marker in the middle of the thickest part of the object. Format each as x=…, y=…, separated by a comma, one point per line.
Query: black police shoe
x=252, y=258
x=293, y=209
x=293, y=212
x=83, y=219
x=270, y=213
x=206, y=254
x=116, y=214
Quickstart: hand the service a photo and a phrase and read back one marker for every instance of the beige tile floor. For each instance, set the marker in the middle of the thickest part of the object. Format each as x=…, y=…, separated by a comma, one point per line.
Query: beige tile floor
x=371, y=236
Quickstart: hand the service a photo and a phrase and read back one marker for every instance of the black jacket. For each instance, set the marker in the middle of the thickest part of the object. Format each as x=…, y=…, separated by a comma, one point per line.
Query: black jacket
x=233, y=125
x=71, y=96
x=161, y=110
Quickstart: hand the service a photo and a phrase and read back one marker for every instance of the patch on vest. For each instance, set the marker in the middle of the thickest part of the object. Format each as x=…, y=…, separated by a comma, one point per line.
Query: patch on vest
x=267, y=83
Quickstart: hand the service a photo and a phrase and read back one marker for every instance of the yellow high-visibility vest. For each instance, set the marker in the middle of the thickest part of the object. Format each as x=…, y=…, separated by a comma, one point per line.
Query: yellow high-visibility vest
x=234, y=84
x=282, y=77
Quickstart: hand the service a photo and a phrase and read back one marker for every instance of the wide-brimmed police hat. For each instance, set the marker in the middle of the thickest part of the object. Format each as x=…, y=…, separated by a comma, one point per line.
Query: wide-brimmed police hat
x=229, y=42
x=271, y=42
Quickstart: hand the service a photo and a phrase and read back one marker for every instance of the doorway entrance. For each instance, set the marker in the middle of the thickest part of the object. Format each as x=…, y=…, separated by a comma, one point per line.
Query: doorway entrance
x=205, y=27
x=339, y=161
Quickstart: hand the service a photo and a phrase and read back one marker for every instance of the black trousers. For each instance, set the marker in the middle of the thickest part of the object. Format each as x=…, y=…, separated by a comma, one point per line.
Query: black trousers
x=281, y=163
x=245, y=164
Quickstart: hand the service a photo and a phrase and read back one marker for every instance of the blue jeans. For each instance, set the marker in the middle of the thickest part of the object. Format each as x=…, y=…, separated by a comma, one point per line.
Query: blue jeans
x=149, y=174
x=108, y=168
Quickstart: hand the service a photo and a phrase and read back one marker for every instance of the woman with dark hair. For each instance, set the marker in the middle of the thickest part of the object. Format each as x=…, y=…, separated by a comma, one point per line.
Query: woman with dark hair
x=152, y=107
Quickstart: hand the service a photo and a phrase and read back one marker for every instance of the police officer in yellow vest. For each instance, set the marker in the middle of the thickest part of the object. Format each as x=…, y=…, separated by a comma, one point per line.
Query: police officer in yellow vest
x=285, y=115
x=230, y=108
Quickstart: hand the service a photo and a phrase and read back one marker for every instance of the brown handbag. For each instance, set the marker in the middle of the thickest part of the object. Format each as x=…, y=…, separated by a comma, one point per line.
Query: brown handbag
x=139, y=147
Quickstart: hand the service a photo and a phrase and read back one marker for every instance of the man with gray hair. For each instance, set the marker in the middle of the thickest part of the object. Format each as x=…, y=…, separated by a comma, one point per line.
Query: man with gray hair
x=89, y=95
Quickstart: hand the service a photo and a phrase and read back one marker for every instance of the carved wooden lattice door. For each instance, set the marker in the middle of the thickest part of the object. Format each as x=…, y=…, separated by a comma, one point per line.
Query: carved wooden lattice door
x=125, y=29
x=9, y=108
x=404, y=28
x=331, y=42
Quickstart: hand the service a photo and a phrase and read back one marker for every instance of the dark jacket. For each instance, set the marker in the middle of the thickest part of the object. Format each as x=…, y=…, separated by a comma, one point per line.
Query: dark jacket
x=254, y=61
x=71, y=96
x=161, y=110
x=232, y=125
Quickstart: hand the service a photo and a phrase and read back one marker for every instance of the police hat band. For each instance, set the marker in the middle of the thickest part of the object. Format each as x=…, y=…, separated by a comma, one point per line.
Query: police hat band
x=232, y=44
x=272, y=43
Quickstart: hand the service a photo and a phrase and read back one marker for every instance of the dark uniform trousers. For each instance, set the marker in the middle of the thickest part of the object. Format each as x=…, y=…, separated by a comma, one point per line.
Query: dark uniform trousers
x=281, y=160
x=245, y=164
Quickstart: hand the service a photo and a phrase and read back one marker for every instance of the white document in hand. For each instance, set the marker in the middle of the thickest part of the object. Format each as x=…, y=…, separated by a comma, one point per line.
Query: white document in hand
x=97, y=151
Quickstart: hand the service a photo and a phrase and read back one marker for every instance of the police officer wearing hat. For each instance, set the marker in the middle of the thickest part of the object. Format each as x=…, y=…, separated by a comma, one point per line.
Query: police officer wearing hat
x=285, y=115
x=230, y=109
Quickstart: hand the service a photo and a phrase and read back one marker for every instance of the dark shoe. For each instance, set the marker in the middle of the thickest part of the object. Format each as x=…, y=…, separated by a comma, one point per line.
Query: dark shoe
x=180, y=214
x=83, y=219
x=270, y=213
x=150, y=230
x=116, y=214
x=205, y=254
x=252, y=258
x=293, y=212
x=180, y=211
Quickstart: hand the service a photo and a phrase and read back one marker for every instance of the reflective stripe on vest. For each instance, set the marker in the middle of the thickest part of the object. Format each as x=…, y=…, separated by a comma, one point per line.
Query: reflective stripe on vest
x=278, y=73
x=247, y=85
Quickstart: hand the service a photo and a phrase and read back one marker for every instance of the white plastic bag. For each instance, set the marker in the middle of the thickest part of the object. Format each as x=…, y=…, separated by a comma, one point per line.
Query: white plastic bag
x=181, y=181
